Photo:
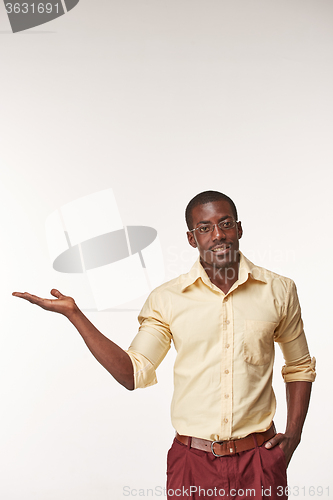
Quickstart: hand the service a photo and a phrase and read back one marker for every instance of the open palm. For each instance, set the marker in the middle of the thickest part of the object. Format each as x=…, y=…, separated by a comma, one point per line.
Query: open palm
x=61, y=304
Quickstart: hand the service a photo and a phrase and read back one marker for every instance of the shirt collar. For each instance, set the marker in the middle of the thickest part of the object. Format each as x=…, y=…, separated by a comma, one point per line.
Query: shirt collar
x=246, y=269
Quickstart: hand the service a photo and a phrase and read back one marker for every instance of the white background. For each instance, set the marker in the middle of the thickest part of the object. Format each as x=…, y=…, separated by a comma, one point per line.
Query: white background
x=159, y=100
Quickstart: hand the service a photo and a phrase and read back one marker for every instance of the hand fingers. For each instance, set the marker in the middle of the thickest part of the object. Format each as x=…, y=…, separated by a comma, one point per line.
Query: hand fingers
x=57, y=294
x=61, y=304
x=48, y=304
x=34, y=298
x=25, y=295
x=28, y=296
x=274, y=441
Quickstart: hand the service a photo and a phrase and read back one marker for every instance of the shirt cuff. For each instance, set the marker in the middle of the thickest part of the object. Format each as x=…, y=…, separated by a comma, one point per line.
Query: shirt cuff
x=304, y=370
x=144, y=372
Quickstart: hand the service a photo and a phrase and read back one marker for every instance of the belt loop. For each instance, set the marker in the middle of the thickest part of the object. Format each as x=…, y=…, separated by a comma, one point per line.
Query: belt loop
x=255, y=440
x=189, y=442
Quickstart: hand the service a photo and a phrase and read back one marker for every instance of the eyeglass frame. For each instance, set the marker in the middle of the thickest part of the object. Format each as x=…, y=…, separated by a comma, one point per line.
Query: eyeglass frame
x=213, y=226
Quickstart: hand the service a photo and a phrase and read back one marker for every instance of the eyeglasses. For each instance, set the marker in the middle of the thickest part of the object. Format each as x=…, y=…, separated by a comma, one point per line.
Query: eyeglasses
x=209, y=228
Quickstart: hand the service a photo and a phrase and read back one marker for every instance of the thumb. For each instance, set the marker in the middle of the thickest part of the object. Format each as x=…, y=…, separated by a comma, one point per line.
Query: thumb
x=57, y=294
x=273, y=441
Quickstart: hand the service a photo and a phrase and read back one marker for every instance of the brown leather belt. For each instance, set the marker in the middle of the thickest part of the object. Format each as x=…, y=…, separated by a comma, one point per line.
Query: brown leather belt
x=222, y=448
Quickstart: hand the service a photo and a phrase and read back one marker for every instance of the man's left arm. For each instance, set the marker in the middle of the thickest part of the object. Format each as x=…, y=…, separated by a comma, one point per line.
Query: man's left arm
x=298, y=397
x=298, y=373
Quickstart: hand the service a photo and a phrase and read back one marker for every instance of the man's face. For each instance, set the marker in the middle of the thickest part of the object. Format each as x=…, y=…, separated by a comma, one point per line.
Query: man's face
x=220, y=247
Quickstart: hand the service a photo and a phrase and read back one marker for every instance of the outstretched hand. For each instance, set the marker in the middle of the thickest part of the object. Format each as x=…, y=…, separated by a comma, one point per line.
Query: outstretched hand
x=61, y=304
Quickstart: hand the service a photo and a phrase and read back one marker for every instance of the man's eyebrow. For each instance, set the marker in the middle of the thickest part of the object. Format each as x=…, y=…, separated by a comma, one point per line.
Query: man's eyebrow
x=204, y=222
x=210, y=222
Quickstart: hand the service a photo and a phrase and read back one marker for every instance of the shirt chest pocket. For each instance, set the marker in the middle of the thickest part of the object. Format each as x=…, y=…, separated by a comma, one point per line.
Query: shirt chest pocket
x=258, y=341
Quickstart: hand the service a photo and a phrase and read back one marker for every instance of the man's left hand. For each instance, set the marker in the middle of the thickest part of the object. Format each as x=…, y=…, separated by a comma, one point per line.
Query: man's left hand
x=288, y=444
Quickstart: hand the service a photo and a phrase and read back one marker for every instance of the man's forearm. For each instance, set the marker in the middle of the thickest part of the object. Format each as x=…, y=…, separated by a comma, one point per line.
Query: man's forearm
x=111, y=356
x=298, y=398
x=114, y=359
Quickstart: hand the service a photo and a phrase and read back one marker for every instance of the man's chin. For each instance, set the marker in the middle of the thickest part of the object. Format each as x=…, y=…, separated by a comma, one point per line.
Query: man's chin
x=223, y=259
x=222, y=263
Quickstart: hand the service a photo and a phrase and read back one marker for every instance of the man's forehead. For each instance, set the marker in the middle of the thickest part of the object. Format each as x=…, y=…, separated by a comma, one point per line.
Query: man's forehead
x=213, y=209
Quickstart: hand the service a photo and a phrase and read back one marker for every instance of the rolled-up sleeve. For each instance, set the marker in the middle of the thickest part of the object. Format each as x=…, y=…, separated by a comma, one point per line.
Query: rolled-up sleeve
x=152, y=342
x=291, y=337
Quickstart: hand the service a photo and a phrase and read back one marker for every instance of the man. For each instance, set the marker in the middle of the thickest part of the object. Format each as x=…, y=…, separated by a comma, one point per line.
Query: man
x=223, y=317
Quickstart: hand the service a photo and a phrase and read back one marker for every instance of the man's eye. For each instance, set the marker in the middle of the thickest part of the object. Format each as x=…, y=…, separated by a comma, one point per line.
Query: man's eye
x=203, y=229
x=226, y=224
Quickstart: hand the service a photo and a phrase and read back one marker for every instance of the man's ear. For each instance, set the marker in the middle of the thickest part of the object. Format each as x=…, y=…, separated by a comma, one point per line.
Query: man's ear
x=239, y=229
x=191, y=239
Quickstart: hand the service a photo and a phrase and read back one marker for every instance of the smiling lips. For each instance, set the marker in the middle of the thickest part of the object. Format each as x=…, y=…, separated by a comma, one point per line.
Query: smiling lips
x=221, y=248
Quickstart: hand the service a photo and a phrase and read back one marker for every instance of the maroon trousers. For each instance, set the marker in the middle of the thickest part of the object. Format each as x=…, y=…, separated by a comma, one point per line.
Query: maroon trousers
x=259, y=474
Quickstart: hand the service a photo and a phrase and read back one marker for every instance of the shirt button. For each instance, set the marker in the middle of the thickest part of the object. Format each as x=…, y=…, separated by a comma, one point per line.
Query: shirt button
x=226, y=420
x=226, y=371
x=227, y=346
x=225, y=299
x=226, y=396
x=227, y=322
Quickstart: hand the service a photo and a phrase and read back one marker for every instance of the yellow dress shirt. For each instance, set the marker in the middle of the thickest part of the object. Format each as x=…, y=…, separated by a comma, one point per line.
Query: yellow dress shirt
x=225, y=348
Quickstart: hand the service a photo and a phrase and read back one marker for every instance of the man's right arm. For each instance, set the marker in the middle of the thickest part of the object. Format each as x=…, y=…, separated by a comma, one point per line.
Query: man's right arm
x=114, y=359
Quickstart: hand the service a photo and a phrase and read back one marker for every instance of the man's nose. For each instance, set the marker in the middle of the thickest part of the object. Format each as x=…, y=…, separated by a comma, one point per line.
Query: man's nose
x=218, y=233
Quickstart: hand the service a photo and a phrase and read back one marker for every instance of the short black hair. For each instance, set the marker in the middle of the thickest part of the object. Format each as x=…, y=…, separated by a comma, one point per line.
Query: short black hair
x=202, y=199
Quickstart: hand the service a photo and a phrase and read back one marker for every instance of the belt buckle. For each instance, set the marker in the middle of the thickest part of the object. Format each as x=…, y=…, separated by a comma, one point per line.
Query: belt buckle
x=212, y=448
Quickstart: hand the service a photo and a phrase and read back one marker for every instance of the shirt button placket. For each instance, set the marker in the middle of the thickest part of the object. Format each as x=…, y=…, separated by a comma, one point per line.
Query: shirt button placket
x=227, y=367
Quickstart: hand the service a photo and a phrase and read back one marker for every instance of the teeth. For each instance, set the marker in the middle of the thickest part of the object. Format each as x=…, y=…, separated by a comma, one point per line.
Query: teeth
x=217, y=249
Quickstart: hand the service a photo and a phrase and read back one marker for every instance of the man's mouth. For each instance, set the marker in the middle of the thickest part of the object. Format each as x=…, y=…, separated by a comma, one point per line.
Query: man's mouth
x=221, y=248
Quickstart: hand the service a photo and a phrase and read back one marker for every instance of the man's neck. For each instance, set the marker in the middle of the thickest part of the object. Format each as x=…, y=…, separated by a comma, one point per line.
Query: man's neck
x=222, y=277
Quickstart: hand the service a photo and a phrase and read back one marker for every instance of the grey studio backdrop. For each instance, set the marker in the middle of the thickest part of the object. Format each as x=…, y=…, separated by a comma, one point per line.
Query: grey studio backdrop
x=157, y=100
